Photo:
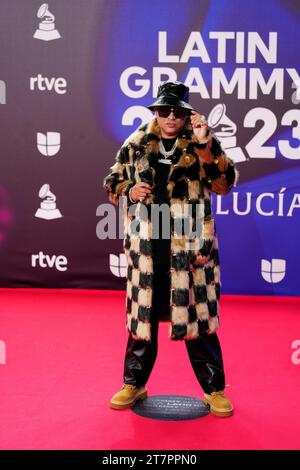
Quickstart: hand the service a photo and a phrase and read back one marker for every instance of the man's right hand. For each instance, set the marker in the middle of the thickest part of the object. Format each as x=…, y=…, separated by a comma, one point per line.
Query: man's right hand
x=140, y=191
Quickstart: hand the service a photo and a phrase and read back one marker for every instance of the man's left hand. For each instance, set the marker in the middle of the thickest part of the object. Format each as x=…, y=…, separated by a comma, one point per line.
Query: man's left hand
x=199, y=125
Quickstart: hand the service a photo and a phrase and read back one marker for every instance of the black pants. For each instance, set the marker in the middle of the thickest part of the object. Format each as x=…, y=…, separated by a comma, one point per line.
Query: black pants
x=204, y=353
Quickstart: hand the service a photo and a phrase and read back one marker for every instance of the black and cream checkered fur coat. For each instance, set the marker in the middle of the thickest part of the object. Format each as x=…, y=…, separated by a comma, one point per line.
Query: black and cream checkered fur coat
x=197, y=169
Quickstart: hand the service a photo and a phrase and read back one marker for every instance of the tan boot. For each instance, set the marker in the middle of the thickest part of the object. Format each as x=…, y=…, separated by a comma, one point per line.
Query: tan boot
x=219, y=404
x=127, y=396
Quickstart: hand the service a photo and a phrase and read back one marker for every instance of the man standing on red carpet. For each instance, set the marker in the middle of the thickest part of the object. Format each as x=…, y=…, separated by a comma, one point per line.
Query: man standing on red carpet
x=174, y=162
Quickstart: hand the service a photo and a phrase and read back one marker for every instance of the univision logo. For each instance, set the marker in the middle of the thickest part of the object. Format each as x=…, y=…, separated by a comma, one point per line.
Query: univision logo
x=273, y=271
x=118, y=265
x=48, y=144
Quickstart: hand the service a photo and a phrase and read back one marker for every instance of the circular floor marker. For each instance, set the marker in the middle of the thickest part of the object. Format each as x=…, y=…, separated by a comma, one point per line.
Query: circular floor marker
x=171, y=408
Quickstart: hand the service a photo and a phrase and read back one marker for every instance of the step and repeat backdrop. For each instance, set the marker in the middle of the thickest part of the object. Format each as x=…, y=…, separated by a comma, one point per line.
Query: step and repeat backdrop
x=75, y=79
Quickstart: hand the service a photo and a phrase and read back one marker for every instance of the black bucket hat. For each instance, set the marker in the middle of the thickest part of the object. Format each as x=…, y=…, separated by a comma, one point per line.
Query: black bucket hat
x=174, y=94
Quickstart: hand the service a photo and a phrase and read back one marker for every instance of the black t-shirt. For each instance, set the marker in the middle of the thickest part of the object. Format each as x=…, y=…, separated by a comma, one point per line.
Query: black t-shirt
x=161, y=246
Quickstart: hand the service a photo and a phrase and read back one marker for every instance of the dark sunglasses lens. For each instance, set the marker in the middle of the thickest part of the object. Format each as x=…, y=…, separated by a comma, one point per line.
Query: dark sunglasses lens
x=165, y=111
x=180, y=113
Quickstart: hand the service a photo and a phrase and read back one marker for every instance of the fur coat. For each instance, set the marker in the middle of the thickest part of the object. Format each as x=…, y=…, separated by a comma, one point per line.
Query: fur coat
x=197, y=169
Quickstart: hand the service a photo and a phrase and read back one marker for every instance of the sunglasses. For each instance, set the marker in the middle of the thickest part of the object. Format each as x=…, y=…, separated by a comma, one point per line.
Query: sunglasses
x=165, y=111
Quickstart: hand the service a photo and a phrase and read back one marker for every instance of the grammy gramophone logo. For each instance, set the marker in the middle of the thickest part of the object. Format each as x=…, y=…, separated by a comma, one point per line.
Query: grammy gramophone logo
x=225, y=131
x=46, y=30
x=47, y=209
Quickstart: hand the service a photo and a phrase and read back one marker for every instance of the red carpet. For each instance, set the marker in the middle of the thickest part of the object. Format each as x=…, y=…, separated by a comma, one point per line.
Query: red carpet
x=64, y=360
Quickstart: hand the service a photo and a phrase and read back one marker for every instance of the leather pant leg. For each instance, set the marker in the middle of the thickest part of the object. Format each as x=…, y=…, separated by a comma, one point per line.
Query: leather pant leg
x=141, y=355
x=206, y=358
x=140, y=358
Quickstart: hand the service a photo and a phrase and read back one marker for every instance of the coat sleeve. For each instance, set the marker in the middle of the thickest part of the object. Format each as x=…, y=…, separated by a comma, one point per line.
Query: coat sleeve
x=218, y=171
x=118, y=182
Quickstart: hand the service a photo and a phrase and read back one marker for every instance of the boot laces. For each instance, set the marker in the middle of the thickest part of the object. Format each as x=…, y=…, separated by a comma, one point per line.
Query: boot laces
x=130, y=386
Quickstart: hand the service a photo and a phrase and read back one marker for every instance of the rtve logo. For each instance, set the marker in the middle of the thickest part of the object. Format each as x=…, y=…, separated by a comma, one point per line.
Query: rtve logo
x=118, y=265
x=41, y=83
x=273, y=271
x=45, y=261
